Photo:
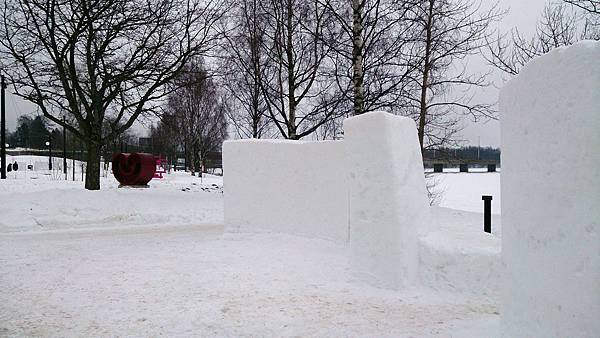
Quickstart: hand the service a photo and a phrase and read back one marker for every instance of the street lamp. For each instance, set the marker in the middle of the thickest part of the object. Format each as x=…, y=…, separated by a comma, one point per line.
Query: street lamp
x=65, y=146
x=2, y=128
x=49, y=145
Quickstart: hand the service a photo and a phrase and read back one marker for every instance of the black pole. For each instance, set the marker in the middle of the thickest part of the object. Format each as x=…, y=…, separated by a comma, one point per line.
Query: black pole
x=50, y=151
x=487, y=213
x=73, y=152
x=80, y=156
x=65, y=147
x=2, y=129
x=185, y=156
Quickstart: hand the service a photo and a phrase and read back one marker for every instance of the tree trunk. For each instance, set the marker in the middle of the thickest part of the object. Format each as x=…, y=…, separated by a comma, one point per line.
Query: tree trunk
x=357, y=58
x=92, y=173
x=256, y=116
x=291, y=78
x=425, y=79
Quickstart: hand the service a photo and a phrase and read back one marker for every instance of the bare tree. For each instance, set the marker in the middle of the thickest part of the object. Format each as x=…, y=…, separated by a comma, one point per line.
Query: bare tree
x=299, y=94
x=165, y=137
x=590, y=6
x=560, y=25
x=198, y=112
x=369, y=61
x=101, y=60
x=446, y=33
x=243, y=60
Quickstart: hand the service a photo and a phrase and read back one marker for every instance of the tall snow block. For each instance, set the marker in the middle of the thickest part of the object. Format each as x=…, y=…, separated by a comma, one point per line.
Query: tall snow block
x=388, y=204
x=551, y=196
x=292, y=187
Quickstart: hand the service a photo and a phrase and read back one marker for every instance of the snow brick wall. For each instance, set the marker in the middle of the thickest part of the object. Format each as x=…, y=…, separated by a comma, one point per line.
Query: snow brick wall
x=550, y=196
x=292, y=187
x=388, y=200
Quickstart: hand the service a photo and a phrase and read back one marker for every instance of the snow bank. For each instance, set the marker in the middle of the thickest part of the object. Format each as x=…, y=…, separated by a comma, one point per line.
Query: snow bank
x=292, y=187
x=38, y=201
x=387, y=196
x=550, y=190
x=457, y=256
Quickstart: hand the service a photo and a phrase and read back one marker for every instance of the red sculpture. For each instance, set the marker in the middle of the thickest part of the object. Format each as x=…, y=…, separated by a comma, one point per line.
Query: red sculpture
x=133, y=168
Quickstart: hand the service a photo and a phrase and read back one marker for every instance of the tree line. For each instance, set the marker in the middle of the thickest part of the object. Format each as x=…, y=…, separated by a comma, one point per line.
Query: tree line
x=463, y=153
x=34, y=132
x=262, y=68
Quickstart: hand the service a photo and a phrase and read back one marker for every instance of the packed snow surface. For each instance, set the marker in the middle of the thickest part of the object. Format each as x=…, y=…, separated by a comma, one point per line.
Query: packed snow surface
x=551, y=189
x=157, y=261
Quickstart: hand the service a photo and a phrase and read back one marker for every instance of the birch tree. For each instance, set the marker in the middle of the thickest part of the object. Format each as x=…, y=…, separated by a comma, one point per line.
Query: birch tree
x=370, y=53
x=298, y=93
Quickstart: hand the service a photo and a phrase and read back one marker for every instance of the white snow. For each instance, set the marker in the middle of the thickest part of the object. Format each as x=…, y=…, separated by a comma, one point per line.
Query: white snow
x=387, y=195
x=463, y=191
x=156, y=261
x=41, y=200
x=458, y=256
x=550, y=190
x=291, y=187
x=196, y=281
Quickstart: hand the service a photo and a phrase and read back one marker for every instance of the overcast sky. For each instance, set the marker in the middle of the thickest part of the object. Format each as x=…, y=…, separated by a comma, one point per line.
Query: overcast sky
x=522, y=14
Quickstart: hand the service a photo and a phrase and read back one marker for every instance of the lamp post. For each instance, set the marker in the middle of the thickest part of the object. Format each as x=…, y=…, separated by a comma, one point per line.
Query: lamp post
x=49, y=144
x=2, y=129
x=185, y=156
x=65, y=147
x=73, y=161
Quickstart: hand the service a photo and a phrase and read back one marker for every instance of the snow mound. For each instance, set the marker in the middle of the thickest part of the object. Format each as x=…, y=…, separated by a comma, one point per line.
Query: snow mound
x=457, y=256
x=49, y=204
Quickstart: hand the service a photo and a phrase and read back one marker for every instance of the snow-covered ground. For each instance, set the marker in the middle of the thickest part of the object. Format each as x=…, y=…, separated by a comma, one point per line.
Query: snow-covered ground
x=463, y=191
x=156, y=261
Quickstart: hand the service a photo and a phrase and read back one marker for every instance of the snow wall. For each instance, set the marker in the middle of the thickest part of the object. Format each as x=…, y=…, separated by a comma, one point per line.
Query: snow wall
x=551, y=196
x=292, y=187
x=368, y=189
x=388, y=200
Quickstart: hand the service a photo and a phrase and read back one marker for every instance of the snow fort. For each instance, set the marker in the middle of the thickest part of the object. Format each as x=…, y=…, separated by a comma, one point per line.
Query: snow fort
x=368, y=191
